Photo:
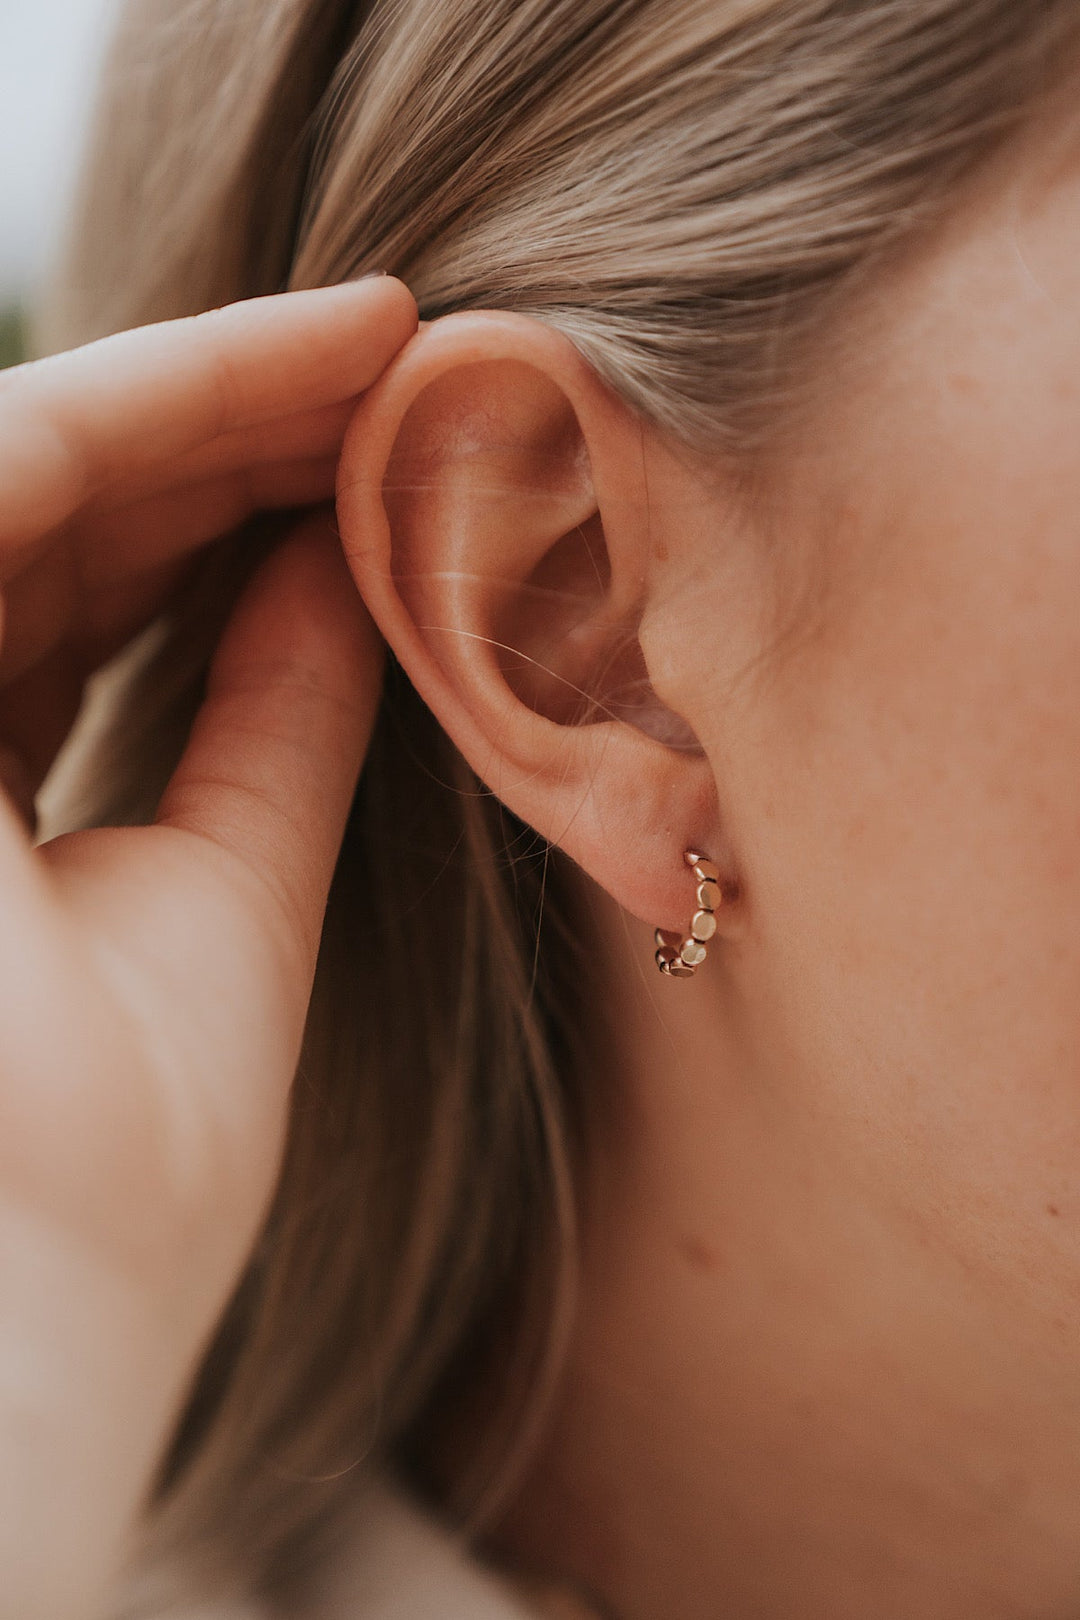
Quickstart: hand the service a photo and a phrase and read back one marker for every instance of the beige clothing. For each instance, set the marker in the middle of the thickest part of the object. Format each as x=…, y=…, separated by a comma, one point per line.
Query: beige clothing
x=400, y=1564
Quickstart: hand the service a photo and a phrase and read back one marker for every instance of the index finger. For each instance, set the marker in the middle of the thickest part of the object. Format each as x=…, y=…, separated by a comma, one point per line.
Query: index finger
x=77, y=422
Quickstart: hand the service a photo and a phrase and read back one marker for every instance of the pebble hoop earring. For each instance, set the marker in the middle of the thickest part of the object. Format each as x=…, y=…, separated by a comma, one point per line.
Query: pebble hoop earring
x=679, y=956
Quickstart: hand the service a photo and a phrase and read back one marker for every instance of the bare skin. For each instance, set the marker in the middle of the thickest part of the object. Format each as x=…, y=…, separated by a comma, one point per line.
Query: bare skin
x=828, y=1353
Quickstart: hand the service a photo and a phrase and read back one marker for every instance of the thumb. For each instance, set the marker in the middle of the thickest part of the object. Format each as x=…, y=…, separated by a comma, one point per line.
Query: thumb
x=272, y=764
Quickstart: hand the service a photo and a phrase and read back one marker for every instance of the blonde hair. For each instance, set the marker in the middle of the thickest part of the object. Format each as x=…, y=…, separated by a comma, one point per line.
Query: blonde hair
x=686, y=188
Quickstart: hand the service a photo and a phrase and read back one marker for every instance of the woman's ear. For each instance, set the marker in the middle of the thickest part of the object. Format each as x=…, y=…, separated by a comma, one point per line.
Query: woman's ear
x=494, y=506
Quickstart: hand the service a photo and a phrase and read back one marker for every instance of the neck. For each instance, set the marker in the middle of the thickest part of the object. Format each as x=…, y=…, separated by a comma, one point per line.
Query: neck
x=783, y=1399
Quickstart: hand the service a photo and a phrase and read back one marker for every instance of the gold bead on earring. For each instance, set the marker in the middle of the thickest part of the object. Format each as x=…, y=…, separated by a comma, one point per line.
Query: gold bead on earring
x=680, y=956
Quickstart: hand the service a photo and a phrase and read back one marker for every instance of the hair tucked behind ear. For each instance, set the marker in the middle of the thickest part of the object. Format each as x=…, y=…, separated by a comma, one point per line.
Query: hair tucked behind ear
x=686, y=188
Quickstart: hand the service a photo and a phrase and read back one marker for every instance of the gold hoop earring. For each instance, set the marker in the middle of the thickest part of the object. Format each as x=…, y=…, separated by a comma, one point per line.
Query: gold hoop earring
x=679, y=956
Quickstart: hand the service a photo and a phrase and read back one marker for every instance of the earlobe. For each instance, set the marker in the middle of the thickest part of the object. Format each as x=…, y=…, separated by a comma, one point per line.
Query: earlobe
x=493, y=507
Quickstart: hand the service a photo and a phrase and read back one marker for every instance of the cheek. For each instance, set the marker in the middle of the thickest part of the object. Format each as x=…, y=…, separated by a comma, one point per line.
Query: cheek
x=905, y=788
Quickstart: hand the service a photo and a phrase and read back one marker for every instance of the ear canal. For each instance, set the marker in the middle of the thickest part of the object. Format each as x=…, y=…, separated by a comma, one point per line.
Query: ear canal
x=569, y=655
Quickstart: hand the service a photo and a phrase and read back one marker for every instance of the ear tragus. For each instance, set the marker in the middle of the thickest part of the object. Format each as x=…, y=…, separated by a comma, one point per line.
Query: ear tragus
x=568, y=656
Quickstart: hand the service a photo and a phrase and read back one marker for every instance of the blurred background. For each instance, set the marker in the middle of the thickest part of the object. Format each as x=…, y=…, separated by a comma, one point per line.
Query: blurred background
x=50, y=54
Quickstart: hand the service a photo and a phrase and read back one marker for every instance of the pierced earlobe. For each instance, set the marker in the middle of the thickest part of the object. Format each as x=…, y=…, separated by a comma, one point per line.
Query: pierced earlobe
x=680, y=956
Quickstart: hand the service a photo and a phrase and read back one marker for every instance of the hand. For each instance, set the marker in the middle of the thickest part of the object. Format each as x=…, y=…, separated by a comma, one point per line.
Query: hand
x=120, y=460
x=154, y=980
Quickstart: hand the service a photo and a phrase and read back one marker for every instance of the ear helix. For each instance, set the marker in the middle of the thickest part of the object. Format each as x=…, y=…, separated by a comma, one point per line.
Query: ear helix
x=680, y=956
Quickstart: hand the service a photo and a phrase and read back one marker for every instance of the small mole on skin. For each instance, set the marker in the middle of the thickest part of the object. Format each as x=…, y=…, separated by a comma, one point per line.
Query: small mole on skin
x=702, y=1256
x=1052, y=1209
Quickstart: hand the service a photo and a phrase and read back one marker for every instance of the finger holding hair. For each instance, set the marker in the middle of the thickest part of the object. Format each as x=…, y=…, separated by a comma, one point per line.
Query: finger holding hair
x=270, y=771
x=77, y=426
